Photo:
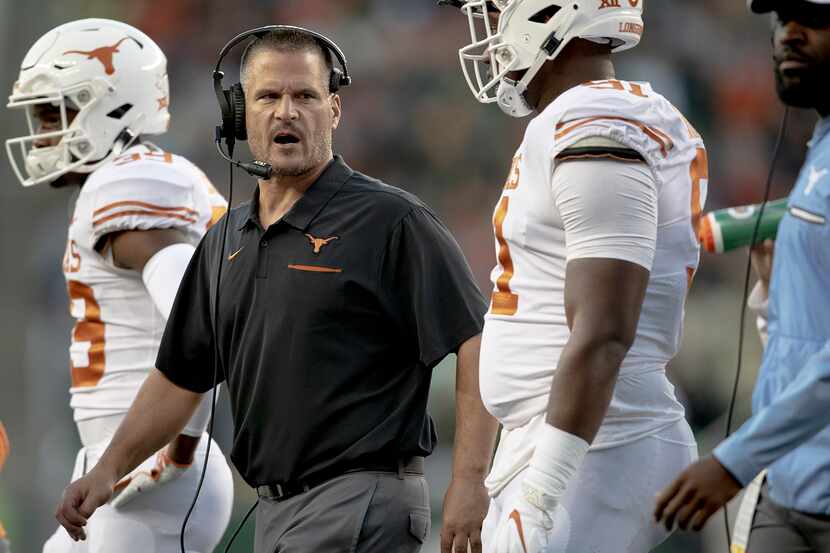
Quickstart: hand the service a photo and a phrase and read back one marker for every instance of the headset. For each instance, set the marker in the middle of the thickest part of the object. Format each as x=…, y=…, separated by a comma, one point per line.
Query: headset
x=232, y=128
x=232, y=100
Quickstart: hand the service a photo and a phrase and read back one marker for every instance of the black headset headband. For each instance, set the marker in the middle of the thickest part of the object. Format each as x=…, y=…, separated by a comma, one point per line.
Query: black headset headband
x=232, y=101
x=259, y=32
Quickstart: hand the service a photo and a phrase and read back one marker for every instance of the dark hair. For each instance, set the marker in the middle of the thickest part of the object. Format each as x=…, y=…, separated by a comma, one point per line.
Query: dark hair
x=285, y=40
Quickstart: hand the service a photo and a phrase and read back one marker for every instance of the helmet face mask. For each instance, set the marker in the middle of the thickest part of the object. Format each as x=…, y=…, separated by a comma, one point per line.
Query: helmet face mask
x=478, y=59
x=33, y=164
x=531, y=33
x=112, y=74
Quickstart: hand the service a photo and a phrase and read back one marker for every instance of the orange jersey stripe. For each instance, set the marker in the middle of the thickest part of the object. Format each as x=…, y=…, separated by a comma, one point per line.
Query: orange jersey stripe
x=128, y=213
x=657, y=135
x=131, y=203
x=5, y=448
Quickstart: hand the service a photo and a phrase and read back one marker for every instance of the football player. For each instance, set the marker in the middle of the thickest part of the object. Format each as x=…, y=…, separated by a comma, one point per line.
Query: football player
x=92, y=92
x=596, y=245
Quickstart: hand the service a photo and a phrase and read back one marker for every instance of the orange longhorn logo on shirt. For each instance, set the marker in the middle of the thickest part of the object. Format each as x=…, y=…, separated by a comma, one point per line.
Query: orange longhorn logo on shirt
x=104, y=54
x=318, y=243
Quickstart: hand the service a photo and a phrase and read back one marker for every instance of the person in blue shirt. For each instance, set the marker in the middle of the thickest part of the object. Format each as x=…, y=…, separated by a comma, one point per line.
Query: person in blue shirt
x=789, y=432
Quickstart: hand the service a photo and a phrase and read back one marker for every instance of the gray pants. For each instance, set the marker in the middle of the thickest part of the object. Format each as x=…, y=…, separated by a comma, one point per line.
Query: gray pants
x=776, y=529
x=359, y=512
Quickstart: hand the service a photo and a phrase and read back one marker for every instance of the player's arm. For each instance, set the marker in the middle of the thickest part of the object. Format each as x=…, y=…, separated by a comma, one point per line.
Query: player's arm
x=609, y=212
x=158, y=413
x=161, y=257
x=603, y=298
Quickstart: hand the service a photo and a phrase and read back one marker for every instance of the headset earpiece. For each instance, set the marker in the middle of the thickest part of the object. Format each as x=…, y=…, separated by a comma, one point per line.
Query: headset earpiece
x=237, y=103
x=335, y=79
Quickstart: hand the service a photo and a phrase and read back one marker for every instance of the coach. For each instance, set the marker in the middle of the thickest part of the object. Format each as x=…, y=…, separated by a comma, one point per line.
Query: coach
x=339, y=294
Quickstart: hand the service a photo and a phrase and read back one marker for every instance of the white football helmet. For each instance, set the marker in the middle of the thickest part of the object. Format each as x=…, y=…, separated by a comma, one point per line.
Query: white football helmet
x=532, y=32
x=114, y=75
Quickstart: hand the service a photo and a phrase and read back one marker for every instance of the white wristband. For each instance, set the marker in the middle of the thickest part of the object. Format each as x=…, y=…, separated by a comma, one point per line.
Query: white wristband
x=163, y=273
x=557, y=458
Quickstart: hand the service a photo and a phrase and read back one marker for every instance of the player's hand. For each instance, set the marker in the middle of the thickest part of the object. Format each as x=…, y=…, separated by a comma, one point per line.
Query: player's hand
x=762, y=255
x=696, y=495
x=81, y=498
x=525, y=527
x=465, y=507
x=142, y=482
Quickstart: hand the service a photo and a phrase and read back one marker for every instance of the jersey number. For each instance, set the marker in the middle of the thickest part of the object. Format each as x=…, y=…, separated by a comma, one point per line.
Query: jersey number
x=87, y=351
x=503, y=301
x=623, y=86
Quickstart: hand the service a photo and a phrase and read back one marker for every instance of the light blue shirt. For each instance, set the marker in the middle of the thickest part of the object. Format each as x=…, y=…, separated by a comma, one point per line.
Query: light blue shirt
x=789, y=431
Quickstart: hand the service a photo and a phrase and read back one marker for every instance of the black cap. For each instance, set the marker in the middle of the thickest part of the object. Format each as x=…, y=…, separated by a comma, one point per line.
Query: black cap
x=764, y=6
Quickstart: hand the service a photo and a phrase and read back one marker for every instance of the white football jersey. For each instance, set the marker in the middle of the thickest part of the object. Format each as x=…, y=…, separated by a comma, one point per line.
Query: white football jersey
x=117, y=326
x=526, y=327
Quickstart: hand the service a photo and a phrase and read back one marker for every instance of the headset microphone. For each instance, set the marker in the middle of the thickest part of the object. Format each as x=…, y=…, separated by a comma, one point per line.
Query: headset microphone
x=256, y=168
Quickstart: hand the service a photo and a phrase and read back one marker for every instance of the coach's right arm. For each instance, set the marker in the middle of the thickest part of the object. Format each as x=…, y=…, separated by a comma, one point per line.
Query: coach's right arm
x=160, y=410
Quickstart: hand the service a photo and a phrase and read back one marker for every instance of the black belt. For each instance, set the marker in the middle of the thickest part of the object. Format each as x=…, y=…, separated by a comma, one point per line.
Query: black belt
x=286, y=490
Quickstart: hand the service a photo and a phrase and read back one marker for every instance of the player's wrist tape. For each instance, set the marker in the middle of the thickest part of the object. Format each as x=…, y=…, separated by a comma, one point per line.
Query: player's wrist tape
x=557, y=458
x=163, y=273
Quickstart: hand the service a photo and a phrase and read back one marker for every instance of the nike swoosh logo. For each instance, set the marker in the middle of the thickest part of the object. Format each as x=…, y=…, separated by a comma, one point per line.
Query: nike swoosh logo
x=516, y=517
x=234, y=254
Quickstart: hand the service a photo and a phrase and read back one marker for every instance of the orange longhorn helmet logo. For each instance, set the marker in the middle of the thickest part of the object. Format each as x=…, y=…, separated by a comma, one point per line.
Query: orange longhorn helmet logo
x=104, y=54
x=318, y=243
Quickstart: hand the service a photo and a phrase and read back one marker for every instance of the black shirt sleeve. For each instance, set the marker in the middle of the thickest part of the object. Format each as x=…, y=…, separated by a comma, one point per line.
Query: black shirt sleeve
x=431, y=286
x=186, y=352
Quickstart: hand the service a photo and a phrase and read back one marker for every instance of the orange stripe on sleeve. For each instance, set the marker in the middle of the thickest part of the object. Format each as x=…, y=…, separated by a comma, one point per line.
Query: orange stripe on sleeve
x=661, y=138
x=128, y=213
x=132, y=203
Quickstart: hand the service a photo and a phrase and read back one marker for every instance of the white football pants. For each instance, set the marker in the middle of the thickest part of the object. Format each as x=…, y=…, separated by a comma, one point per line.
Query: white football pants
x=151, y=523
x=609, y=505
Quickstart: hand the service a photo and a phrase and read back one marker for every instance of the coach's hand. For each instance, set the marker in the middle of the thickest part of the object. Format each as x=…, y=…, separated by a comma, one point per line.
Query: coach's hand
x=465, y=507
x=695, y=495
x=82, y=498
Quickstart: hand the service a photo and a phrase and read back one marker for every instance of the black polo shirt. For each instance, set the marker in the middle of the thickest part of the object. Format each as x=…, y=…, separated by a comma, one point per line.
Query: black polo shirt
x=330, y=322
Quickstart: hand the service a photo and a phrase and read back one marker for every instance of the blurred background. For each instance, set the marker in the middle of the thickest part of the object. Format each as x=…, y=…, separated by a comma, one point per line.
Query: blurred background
x=410, y=120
